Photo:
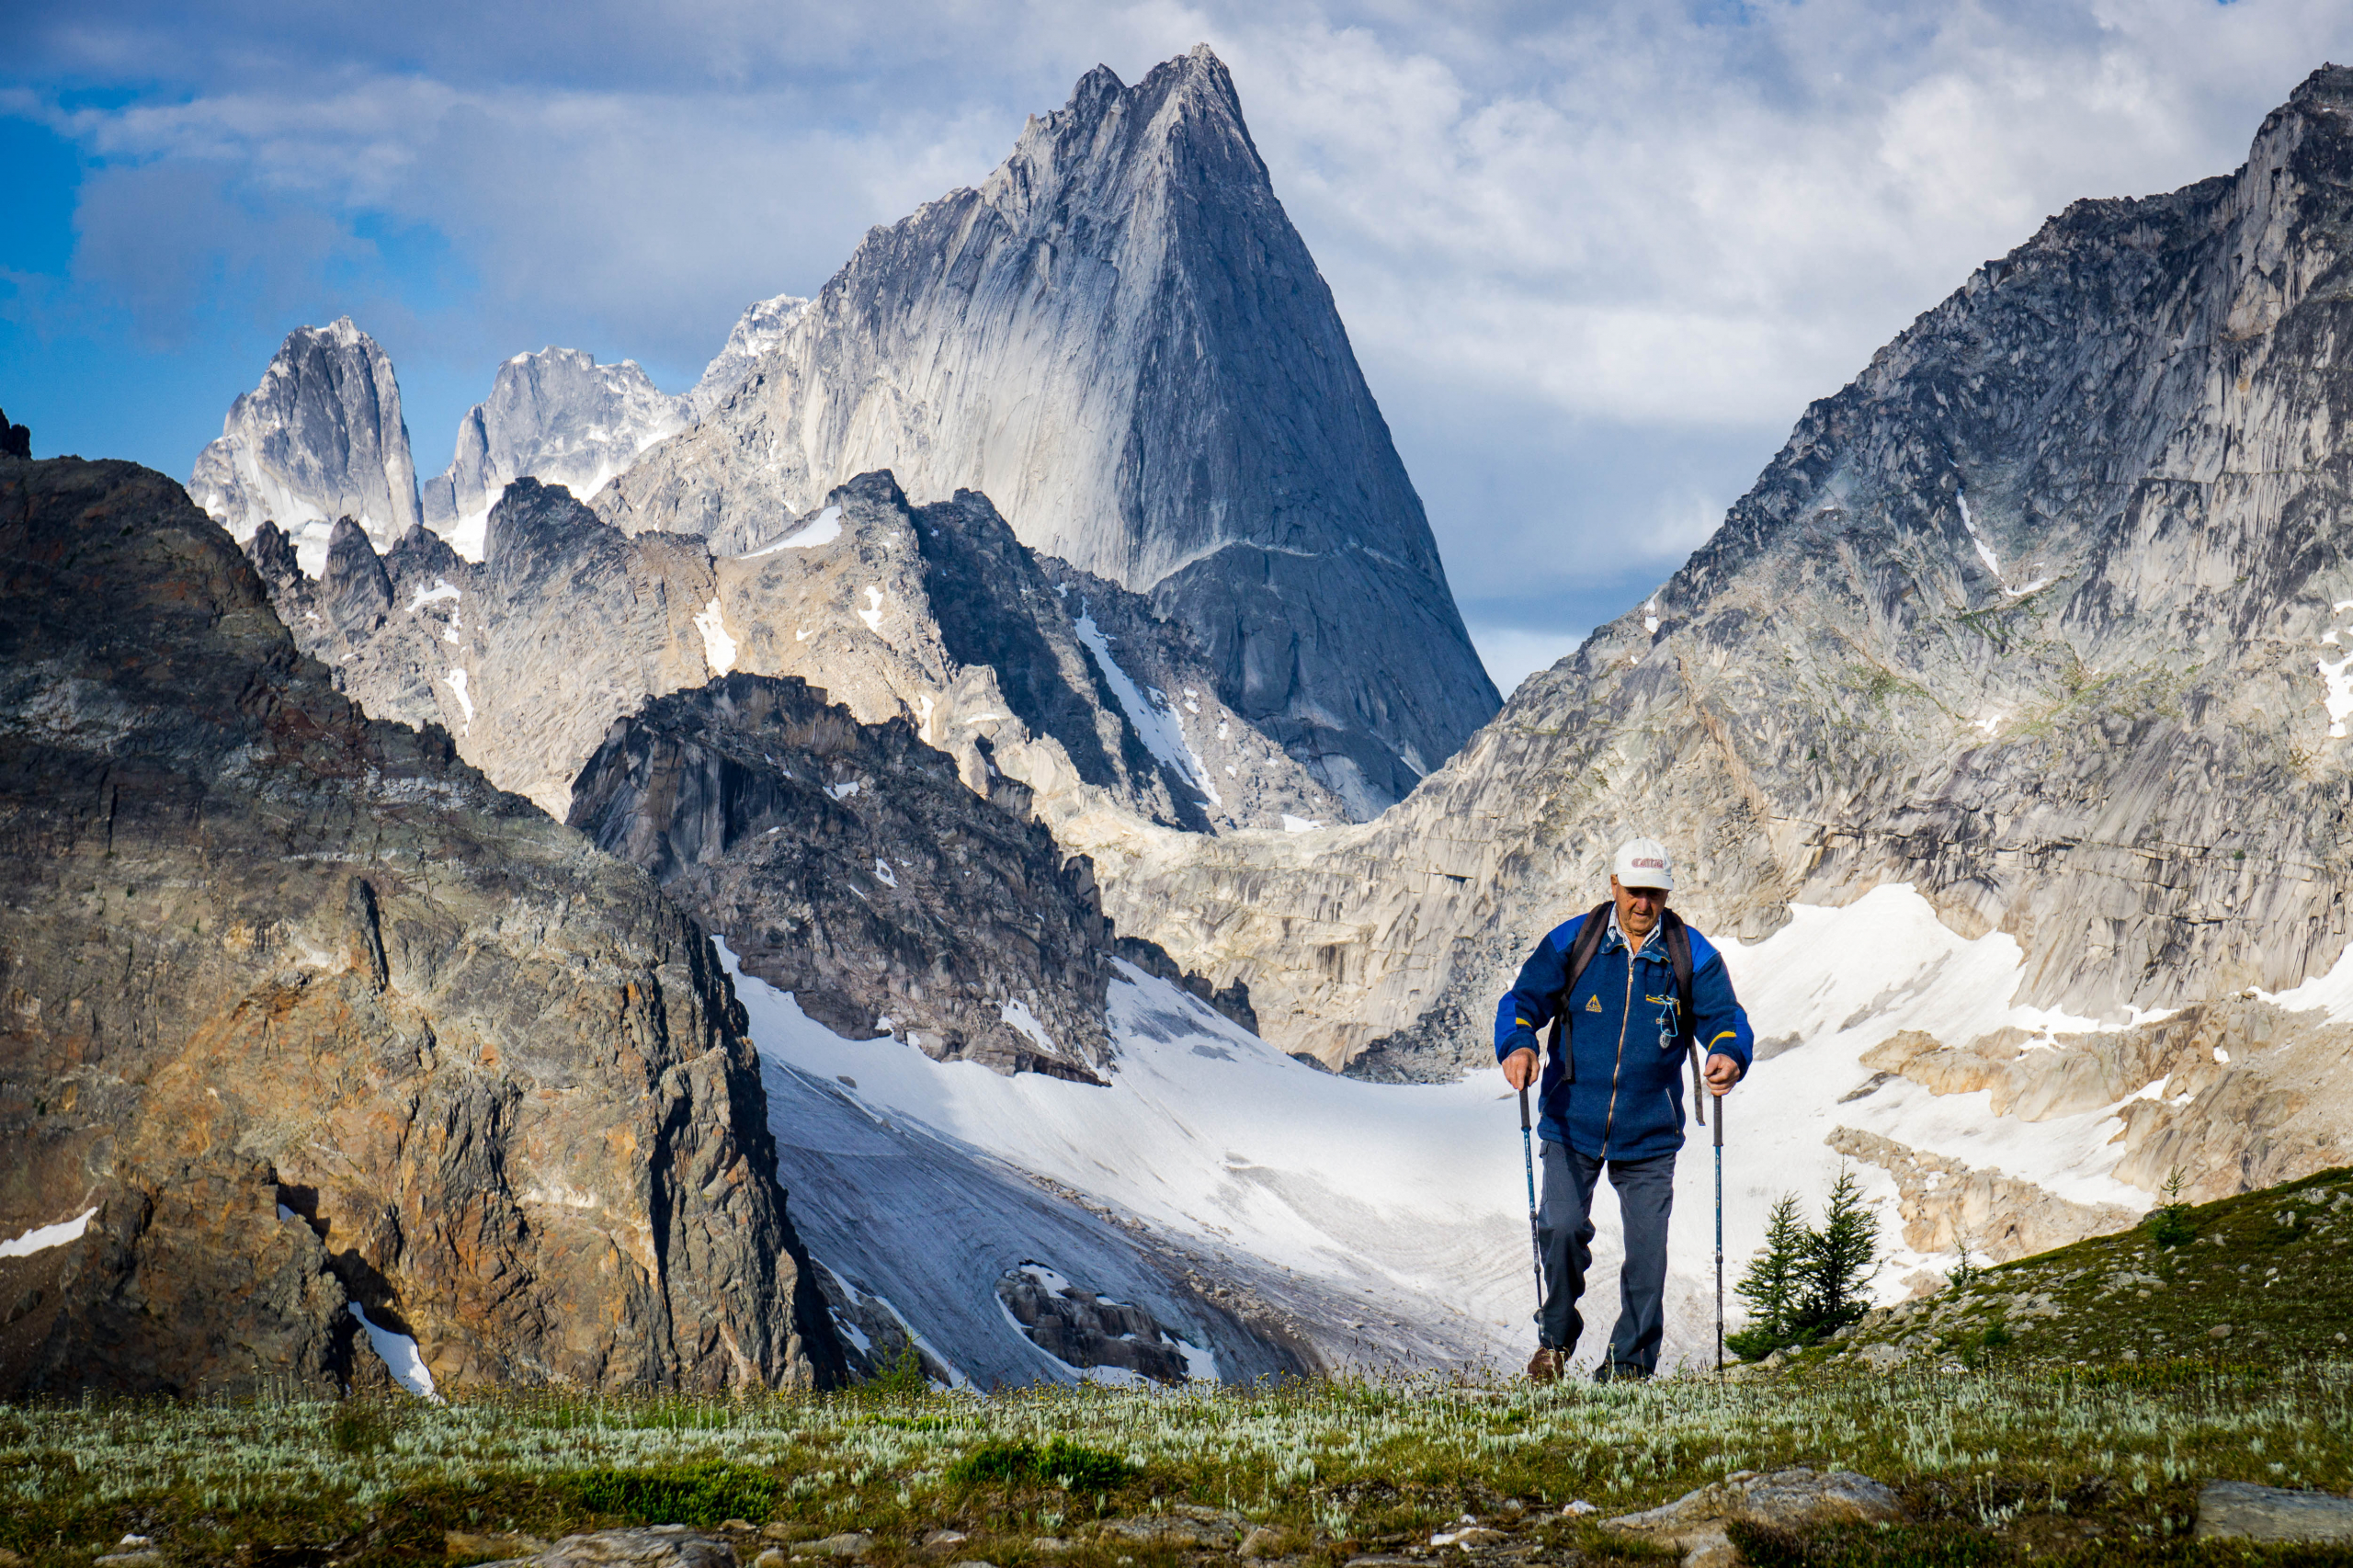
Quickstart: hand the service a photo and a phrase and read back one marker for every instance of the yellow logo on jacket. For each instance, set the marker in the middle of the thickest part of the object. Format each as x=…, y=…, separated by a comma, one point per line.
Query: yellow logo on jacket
x=1592, y=1004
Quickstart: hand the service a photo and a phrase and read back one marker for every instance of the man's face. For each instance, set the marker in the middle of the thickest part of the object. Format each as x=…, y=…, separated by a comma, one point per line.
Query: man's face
x=1638, y=909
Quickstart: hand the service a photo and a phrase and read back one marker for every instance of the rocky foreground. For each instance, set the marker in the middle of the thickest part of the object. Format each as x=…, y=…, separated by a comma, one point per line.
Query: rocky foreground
x=304, y=1018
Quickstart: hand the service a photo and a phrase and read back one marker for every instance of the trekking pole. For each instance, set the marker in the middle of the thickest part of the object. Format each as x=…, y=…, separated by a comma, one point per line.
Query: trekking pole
x=1720, y=1238
x=1535, y=1247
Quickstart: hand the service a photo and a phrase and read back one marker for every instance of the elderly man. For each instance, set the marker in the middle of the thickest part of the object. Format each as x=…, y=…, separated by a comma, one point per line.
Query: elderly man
x=1632, y=992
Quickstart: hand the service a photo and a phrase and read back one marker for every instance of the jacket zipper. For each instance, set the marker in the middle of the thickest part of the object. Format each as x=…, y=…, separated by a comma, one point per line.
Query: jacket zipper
x=1609, y=1122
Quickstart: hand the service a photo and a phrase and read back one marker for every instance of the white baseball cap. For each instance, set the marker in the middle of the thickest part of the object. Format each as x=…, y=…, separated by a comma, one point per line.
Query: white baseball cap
x=1642, y=863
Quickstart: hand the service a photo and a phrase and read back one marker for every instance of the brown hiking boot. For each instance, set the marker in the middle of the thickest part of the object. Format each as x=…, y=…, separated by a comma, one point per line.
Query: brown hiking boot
x=1546, y=1366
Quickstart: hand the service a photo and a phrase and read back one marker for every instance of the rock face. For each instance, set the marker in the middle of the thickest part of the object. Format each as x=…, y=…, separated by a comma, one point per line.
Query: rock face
x=2044, y=614
x=2239, y=1510
x=1947, y=1204
x=556, y=416
x=320, y=438
x=758, y=330
x=850, y=865
x=1076, y=1326
x=302, y=1012
x=1121, y=339
x=937, y=615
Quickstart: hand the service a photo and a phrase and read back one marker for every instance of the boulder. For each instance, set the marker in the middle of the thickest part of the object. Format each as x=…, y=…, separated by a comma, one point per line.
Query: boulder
x=2239, y=1510
x=650, y=1545
x=1695, y=1523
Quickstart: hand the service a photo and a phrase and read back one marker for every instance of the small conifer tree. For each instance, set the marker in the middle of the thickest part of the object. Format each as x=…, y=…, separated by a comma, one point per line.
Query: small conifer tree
x=1774, y=1285
x=1841, y=1259
x=1805, y=1284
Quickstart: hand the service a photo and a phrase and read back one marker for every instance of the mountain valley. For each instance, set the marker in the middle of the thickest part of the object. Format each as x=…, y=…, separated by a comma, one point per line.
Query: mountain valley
x=970, y=832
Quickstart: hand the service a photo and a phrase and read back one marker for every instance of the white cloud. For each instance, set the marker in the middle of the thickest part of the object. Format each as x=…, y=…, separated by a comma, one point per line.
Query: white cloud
x=1635, y=239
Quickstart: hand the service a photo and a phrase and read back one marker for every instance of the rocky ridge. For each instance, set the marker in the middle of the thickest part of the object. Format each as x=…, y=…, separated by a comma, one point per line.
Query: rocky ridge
x=2041, y=614
x=303, y=1015
x=1023, y=339
x=321, y=438
x=2264, y=1276
x=759, y=331
x=556, y=416
x=936, y=615
x=2234, y=1095
x=850, y=865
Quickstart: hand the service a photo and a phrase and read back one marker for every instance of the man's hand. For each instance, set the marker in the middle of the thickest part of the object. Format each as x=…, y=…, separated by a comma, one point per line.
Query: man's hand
x=1723, y=1073
x=1519, y=1069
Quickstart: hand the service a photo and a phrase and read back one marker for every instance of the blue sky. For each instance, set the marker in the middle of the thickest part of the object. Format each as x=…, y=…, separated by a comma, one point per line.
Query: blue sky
x=1594, y=258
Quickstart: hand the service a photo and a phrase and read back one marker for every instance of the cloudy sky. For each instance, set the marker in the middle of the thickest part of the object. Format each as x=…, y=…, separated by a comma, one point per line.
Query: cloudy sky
x=1594, y=258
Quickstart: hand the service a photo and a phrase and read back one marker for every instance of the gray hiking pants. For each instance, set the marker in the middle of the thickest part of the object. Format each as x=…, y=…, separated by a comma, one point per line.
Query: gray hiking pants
x=1564, y=1232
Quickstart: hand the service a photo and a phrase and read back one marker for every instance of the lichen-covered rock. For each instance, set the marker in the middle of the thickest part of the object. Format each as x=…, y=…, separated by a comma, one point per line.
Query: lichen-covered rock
x=2239, y=1510
x=1694, y=1524
x=300, y=1011
x=646, y=1546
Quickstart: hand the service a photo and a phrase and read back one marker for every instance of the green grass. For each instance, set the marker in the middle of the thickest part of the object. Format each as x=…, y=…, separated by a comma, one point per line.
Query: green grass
x=1341, y=1466
x=2058, y=1409
x=2274, y=1267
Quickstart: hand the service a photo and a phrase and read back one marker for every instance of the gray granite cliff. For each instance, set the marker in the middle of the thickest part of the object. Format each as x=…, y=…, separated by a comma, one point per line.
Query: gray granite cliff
x=1120, y=338
x=850, y=865
x=1021, y=670
x=320, y=438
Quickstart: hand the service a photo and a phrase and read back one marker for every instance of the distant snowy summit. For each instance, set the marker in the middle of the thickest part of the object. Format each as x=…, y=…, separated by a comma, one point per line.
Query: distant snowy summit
x=556, y=416
x=320, y=438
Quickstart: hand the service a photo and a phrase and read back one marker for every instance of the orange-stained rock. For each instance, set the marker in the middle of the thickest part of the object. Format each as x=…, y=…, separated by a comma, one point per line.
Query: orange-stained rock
x=260, y=953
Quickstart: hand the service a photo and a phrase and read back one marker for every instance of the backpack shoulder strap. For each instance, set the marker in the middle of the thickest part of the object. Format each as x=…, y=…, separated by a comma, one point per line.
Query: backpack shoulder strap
x=1678, y=955
x=1588, y=942
x=1581, y=952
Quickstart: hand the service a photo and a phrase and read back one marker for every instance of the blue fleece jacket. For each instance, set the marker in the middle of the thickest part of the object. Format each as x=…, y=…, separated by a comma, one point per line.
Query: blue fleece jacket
x=1632, y=1070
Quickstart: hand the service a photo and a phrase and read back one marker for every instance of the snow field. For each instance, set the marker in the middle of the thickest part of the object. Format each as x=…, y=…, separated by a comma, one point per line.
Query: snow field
x=1409, y=1202
x=1840, y=980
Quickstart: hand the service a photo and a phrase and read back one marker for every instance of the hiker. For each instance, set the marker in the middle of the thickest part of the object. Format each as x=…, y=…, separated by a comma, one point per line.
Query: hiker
x=1613, y=1093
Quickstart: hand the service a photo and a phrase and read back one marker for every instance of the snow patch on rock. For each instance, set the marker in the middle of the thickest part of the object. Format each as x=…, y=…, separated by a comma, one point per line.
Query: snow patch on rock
x=1156, y=723
x=1018, y=1014
x=718, y=648
x=826, y=528
x=40, y=1238
x=400, y=1356
x=440, y=591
